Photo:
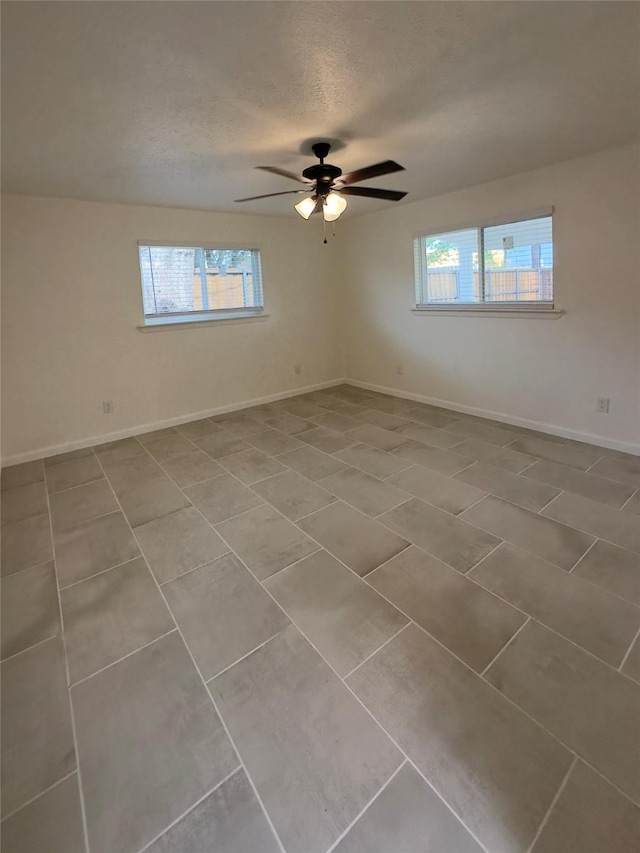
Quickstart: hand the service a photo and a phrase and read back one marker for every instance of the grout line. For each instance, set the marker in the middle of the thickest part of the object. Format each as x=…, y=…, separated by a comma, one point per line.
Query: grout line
x=391, y=508
x=34, y=646
x=83, y=811
x=508, y=643
x=629, y=499
x=26, y=568
x=248, y=654
x=370, y=803
x=628, y=652
x=101, y=572
x=204, y=683
x=581, y=558
x=406, y=625
x=290, y=566
x=545, y=819
x=542, y=508
x=124, y=657
x=189, y=571
x=41, y=794
x=191, y=808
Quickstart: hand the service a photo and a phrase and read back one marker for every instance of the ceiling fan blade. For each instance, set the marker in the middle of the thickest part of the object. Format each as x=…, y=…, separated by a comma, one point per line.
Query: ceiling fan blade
x=372, y=192
x=269, y=195
x=375, y=171
x=284, y=174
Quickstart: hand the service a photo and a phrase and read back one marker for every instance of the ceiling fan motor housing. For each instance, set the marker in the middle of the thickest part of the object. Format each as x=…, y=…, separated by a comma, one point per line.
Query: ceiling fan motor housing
x=323, y=174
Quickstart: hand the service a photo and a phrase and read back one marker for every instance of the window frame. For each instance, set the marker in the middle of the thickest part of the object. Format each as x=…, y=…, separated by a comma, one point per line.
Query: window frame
x=183, y=319
x=513, y=308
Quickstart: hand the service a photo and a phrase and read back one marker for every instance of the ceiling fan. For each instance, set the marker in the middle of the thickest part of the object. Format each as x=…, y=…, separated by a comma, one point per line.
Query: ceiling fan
x=326, y=185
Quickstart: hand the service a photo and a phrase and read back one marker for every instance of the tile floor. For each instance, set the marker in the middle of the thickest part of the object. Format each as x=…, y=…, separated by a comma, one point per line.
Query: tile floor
x=342, y=621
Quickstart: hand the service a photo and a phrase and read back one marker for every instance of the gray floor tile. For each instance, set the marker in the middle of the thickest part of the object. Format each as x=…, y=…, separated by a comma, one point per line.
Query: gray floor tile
x=550, y=540
x=633, y=505
x=23, y=502
x=221, y=498
x=221, y=444
x=251, y=465
x=305, y=410
x=357, y=540
x=612, y=568
x=590, y=815
x=289, y=424
x=383, y=439
x=501, y=457
x=376, y=462
x=230, y=820
x=37, y=741
x=26, y=543
x=150, y=745
x=69, y=456
x=116, y=451
x=343, y=617
x=273, y=442
x=394, y=406
x=311, y=463
x=170, y=448
x=431, y=417
x=382, y=419
x=335, y=421
x=470, y=622
x=92, y=547
x=81, y=503
x=429, y=435
x=614, y=525
x=314, y=754
x=437, y=489
x=29, y=608
x=623, y=467
x=446, y=537
x=266, y=541
x=496, y=768
x=223, y=613
x=580, y=483
x=242, y=425
x=293, y=495
x=327, y=440
x=50, y=824
x=198, y=429
x=632, y=664
x=179, y=542
x=150, y=500
x=148, y=438
x=73, y=473
x=444, y=461
x=483, y=432
x=192, y=467
x=601, y=623
x=408, y=816
x=111, y=615
x=22, y=475
x=366, y=493
x=132, y=472
x=576, y=457
x=529, y=494
x=579, y=699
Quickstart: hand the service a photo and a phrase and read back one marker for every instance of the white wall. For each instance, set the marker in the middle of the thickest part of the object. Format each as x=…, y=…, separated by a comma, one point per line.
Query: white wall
x=72, y=301
x=547, y=371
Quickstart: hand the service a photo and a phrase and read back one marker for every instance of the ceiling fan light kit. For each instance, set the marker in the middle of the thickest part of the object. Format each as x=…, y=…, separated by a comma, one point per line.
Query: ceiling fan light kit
x=328, y=186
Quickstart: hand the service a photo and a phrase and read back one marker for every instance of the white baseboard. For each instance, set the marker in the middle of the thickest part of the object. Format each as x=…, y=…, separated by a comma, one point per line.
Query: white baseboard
x=56, y=449
x=552, y=429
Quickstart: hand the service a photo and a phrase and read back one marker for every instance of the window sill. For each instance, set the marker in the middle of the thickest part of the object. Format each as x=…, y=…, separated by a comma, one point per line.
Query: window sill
x=481, y=311
x=197, y=323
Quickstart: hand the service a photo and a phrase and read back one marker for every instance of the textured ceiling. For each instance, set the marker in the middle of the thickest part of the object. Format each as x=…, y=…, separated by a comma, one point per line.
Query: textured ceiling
x=173, y=103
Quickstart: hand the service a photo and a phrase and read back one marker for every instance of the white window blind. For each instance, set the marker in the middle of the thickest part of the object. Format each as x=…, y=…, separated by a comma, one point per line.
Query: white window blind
x=184, y=283
x=495, y=264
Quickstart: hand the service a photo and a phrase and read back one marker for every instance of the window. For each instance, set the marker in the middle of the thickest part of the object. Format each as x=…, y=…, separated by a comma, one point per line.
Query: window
x=492, y=266
x=185, y=283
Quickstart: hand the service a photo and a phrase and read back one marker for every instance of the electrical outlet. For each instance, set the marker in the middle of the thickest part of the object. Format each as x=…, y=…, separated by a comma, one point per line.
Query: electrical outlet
x=107, y=406
x=399, y=370
x=603, y=405
x=297, y=370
